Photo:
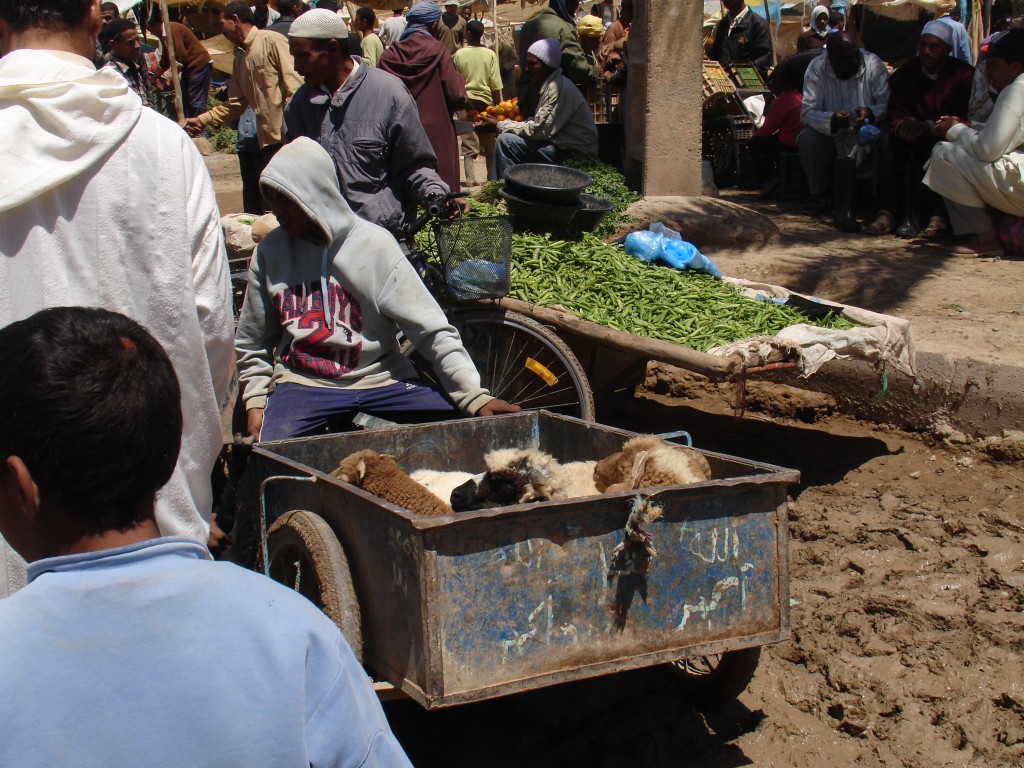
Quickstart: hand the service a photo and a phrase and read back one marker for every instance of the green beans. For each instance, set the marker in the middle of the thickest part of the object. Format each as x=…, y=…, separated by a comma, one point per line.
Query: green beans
x=600, y=283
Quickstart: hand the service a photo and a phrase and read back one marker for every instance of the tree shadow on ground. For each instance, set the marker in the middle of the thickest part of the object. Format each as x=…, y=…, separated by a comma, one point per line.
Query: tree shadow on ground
x=874, y=273
x=642, y=719
x=823, y=457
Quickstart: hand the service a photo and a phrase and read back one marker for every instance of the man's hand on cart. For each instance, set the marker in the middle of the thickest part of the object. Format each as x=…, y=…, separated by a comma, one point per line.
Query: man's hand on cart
x=496, y=407
x=254, y=422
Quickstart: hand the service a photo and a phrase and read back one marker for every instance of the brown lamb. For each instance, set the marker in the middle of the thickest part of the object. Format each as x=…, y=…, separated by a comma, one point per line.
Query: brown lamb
x=646, y=461
x=382, y=477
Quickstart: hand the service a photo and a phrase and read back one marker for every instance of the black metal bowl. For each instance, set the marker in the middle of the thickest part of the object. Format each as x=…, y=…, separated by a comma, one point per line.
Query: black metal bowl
x=534, y=216
x=547, y=183
x=592, y=210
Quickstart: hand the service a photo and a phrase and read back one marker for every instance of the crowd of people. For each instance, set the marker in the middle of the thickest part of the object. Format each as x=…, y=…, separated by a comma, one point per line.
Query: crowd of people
x=937, y=140
x=119, y=317
x=118, y=330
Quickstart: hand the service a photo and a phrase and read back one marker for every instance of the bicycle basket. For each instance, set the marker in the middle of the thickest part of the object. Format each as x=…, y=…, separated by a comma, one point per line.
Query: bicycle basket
x=476, y=253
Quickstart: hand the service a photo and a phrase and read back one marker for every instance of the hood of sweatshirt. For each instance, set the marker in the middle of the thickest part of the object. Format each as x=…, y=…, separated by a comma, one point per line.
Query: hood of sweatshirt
x=303, y=172
x=414, y=61
x=61, y=118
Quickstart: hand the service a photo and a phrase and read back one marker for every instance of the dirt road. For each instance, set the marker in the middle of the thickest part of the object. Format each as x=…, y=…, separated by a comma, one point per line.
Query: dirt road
x=906, y=563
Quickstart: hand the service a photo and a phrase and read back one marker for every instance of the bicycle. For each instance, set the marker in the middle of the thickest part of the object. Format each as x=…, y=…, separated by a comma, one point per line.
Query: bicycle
x=465, y=262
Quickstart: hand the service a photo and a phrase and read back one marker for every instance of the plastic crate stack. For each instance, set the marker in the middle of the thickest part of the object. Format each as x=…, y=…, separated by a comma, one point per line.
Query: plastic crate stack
x=604, y=102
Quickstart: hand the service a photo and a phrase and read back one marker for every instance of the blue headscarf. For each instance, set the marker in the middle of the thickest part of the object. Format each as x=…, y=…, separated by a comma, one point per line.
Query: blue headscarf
x=423, y=13
x=558, y=6
x=420, y=18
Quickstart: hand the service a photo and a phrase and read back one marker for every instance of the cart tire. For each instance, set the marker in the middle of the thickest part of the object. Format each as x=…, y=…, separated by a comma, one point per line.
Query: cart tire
x=500, y=342
x=717, y=679
x=306, y=556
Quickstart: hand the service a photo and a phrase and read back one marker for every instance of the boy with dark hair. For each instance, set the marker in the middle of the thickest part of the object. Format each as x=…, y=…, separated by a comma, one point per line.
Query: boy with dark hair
x=105, y=655
x=79, y=146
x=123, y=49
x=371, y=46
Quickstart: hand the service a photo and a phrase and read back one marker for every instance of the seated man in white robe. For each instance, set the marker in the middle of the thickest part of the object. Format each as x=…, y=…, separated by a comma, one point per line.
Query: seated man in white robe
x=977, y=168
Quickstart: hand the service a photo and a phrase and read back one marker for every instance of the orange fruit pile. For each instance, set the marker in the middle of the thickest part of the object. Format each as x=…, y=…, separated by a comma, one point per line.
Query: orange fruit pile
x=505, y=110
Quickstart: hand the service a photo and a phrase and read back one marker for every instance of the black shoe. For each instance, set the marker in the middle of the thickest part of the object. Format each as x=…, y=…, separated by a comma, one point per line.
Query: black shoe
x=908, y=228
x=845, y=222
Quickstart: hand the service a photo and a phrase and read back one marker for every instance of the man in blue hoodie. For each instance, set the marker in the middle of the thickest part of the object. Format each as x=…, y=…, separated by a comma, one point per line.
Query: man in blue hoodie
x=328, y=293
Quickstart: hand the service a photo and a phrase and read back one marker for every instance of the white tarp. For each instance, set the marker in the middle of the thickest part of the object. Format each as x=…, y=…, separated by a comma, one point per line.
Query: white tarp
x=877, y=338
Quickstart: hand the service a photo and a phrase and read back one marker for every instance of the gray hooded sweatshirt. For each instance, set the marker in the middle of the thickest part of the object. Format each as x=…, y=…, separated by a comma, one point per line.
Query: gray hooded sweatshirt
x=332, y=313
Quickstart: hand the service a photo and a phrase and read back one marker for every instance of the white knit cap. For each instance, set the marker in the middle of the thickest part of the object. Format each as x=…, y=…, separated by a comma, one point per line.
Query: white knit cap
x=939, y=29
x=319, y=24
x=547, y=49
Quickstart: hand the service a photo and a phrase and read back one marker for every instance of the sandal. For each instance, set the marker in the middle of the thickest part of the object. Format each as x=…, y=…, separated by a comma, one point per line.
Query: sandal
x=977, y=247
x=882, y=225
x=937, y=227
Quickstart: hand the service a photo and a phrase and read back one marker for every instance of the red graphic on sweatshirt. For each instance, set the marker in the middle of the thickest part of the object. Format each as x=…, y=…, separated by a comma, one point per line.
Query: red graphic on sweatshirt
x=316, y=349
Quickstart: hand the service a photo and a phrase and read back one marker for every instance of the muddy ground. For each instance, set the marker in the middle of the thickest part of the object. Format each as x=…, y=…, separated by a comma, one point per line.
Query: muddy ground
x=906, y=559
x=907, y=592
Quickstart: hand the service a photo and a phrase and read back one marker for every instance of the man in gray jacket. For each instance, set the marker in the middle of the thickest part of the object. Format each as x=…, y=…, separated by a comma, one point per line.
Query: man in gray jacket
x=367, y=121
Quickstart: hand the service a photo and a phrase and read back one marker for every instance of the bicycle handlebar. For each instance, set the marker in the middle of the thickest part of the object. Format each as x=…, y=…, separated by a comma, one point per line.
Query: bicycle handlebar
x=434, y=211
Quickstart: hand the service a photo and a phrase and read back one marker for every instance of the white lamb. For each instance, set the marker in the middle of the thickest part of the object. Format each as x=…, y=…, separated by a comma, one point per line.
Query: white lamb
x=519, y=475
x=439, y=483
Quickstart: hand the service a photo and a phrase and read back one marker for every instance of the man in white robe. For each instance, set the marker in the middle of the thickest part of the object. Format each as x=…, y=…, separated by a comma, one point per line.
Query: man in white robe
x=979, y=167
x=107, y=204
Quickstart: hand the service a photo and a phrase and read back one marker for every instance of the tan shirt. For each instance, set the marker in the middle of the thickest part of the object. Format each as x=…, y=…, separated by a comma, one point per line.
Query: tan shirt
x=262, y=77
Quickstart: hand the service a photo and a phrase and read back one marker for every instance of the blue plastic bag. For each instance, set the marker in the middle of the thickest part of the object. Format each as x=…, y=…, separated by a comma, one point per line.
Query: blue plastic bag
x=660, y=243
x=644, y=245
x=683, y=255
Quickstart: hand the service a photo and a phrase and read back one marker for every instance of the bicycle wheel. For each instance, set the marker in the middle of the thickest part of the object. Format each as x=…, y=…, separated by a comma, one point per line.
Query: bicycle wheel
x=522, y=361
x=306, y=556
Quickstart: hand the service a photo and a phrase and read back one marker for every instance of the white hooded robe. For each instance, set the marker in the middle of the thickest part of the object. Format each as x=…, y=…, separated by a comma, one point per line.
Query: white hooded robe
x=108, y=204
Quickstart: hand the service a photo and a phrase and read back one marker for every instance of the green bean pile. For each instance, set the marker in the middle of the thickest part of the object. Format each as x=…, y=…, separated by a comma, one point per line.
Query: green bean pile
x=601, y=283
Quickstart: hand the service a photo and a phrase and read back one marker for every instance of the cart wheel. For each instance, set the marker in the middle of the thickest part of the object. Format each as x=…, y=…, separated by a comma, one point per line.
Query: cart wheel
x=717, y=679
x=306, y=556
x=521, y=361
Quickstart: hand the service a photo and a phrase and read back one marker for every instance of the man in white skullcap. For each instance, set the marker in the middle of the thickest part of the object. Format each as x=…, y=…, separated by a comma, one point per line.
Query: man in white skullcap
x=927, y=87
x=367, y=121
x=561, y=128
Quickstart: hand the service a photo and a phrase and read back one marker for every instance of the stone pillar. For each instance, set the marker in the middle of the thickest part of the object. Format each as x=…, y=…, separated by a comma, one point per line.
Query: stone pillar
x=663, y=120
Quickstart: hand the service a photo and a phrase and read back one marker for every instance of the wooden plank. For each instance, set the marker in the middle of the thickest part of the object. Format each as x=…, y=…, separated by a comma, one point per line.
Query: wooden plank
x=712, y=366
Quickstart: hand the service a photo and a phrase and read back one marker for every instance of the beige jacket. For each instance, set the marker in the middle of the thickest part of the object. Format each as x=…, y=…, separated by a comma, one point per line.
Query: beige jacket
x=264, y=78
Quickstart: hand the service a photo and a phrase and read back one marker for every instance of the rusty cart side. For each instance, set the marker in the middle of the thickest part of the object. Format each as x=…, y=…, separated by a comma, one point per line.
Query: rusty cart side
x=460, y=608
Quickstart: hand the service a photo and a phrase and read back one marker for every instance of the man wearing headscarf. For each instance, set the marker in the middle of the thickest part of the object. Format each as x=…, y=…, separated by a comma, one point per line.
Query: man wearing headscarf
x=924, y=89
x=427, y=69
x=563, y=125
x=558, y=21
x=814, y=38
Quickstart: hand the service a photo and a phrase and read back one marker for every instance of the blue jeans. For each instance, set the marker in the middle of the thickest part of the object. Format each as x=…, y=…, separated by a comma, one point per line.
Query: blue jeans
x=294, y=410
x=511, y=150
